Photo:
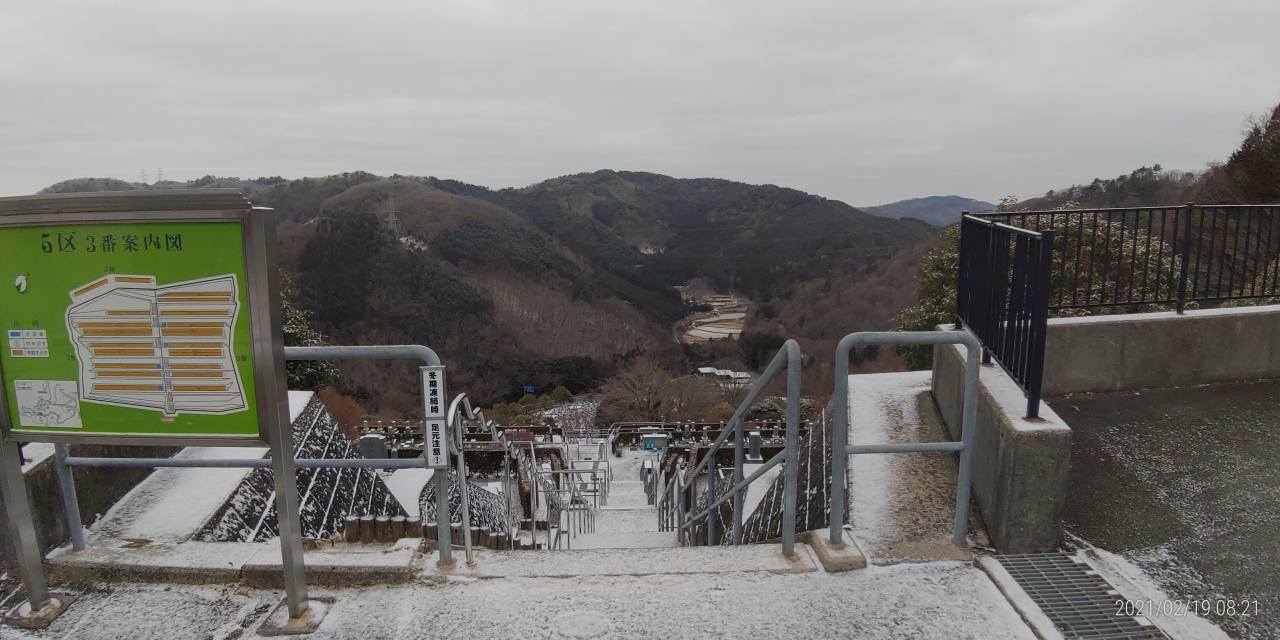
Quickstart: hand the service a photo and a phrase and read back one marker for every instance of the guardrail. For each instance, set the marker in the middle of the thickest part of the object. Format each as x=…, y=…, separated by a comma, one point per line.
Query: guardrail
x=682, y=486
x=64, y=462
x=1003, y=294
x=840, y=401
x=1169, y=255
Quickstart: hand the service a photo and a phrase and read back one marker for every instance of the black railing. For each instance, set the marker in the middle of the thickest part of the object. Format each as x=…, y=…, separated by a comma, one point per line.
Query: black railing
x=1003, y=294
x=1150, y=257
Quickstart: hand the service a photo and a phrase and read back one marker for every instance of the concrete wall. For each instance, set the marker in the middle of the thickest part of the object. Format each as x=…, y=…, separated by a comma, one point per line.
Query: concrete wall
x=1153, y=350
x=1020, y=467
x=97, y=489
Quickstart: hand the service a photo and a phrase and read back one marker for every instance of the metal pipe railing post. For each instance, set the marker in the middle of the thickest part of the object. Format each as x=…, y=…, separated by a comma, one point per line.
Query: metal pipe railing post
x=791, y=464
x=739, y=496
x=463, y=494
x=680, y=511
x=70, y=501
x=1189, y=211
x=711, y=497
x=968, y=427
x=1039, y=323
x=962, y=275
x=839, y=444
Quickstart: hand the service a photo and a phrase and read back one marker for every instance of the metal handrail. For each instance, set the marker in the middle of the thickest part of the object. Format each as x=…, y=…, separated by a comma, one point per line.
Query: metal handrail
x=453, y=418
x=788, y=356
x=840, y=422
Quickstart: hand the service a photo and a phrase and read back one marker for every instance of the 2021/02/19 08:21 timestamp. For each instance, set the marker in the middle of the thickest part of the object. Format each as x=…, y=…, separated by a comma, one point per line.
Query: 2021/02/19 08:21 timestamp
x=1208, y=606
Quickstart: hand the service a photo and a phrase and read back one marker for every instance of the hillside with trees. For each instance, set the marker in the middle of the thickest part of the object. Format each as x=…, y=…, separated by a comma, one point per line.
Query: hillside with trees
x=567, y=282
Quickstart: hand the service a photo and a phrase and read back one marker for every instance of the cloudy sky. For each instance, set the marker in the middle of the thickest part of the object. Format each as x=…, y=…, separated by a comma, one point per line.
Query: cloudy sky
x=867, y=102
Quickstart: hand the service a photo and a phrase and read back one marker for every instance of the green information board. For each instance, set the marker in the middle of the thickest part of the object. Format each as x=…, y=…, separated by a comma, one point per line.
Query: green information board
x=137, y=328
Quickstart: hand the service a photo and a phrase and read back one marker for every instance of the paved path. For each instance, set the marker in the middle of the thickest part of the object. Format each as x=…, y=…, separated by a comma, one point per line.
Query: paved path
x=948, y=600
x=1183, y=483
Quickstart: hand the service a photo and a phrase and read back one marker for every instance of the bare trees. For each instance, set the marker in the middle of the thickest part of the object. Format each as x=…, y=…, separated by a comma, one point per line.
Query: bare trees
x=644, y=391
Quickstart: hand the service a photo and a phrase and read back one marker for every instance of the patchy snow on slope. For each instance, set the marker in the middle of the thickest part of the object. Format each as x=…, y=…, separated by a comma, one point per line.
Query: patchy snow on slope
x=298, y=400
x=406, y=485
x=35, y=453
x=172, y=504
x=757, y=490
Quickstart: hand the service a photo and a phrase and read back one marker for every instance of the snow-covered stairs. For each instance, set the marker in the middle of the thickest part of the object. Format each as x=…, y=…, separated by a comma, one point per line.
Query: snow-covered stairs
x=628, y=521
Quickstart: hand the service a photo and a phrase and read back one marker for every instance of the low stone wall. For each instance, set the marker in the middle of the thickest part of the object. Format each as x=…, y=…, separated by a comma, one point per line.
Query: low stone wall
x=96, y=487
x=1154, y=350
x=1020, y=467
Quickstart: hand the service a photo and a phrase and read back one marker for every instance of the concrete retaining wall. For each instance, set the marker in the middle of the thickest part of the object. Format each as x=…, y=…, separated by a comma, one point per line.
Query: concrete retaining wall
x=1020, y=467
x=1153, y=350
x=96, y=487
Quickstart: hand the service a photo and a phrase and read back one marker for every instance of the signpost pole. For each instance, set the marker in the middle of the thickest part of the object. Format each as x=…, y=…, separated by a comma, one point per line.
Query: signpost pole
x=273, y=403
x=21, y=529
x=437, y=454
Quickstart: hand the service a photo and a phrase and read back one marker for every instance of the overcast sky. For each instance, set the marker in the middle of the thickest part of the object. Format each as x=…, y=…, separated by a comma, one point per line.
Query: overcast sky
x=867, y=102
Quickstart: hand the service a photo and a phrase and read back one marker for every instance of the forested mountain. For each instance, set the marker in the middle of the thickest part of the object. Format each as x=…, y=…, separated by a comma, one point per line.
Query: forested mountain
x=757, y=239
x=1144, y=186
x=939, y=211
x=561, y=282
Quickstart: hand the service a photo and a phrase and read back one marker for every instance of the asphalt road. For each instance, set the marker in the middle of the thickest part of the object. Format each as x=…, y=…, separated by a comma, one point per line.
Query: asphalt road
x=1186, y=484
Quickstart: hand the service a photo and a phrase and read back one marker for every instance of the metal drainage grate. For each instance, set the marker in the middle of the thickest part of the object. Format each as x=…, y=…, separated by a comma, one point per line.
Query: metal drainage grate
x=1072, y=595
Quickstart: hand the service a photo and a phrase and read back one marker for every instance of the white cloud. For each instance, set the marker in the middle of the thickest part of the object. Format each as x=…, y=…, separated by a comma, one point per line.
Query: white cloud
x=862, y=101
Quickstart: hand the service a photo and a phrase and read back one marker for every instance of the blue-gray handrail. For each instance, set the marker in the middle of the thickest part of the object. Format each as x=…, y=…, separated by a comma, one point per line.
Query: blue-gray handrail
x=840, y=422
x=682, y=482
x=64, y=461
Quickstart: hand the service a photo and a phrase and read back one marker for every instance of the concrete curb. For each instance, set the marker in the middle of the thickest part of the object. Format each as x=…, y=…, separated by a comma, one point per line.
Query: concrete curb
x=255, y=564
x=848, y=557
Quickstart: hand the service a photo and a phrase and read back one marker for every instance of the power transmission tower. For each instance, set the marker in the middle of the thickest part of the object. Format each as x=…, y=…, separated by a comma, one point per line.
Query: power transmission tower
x=393, y=220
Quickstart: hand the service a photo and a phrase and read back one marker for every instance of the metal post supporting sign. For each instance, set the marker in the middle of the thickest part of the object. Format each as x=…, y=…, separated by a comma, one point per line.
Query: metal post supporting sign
x=436, y=448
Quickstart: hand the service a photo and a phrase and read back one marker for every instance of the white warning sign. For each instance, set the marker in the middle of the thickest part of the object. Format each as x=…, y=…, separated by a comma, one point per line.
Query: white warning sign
x=433, y=411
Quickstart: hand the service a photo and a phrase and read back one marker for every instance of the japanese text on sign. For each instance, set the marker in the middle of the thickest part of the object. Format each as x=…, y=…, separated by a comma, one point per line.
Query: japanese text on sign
x=433, y=392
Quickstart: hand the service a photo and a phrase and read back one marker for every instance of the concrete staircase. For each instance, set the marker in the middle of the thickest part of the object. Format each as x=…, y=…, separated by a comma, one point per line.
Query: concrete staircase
x=628, y=521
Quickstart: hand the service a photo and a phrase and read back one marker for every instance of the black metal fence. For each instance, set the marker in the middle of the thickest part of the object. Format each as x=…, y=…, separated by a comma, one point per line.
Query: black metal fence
x=1147, y=257
x=1004, y=285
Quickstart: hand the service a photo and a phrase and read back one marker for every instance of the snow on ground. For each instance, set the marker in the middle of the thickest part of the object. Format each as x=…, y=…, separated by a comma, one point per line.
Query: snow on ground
x=172, y=504
x=35, y=453
x=1136, y=586
x=876, y=402
x=406, y=485
x=948, y=600
x=298, y=401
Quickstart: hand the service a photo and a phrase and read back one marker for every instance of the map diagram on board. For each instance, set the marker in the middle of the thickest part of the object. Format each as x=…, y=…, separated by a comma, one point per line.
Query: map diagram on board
x=167, y=348
x=47, y=403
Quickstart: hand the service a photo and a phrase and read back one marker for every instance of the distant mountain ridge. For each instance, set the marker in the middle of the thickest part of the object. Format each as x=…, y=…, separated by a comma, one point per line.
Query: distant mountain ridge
x=939, y=211
x=560, y=282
